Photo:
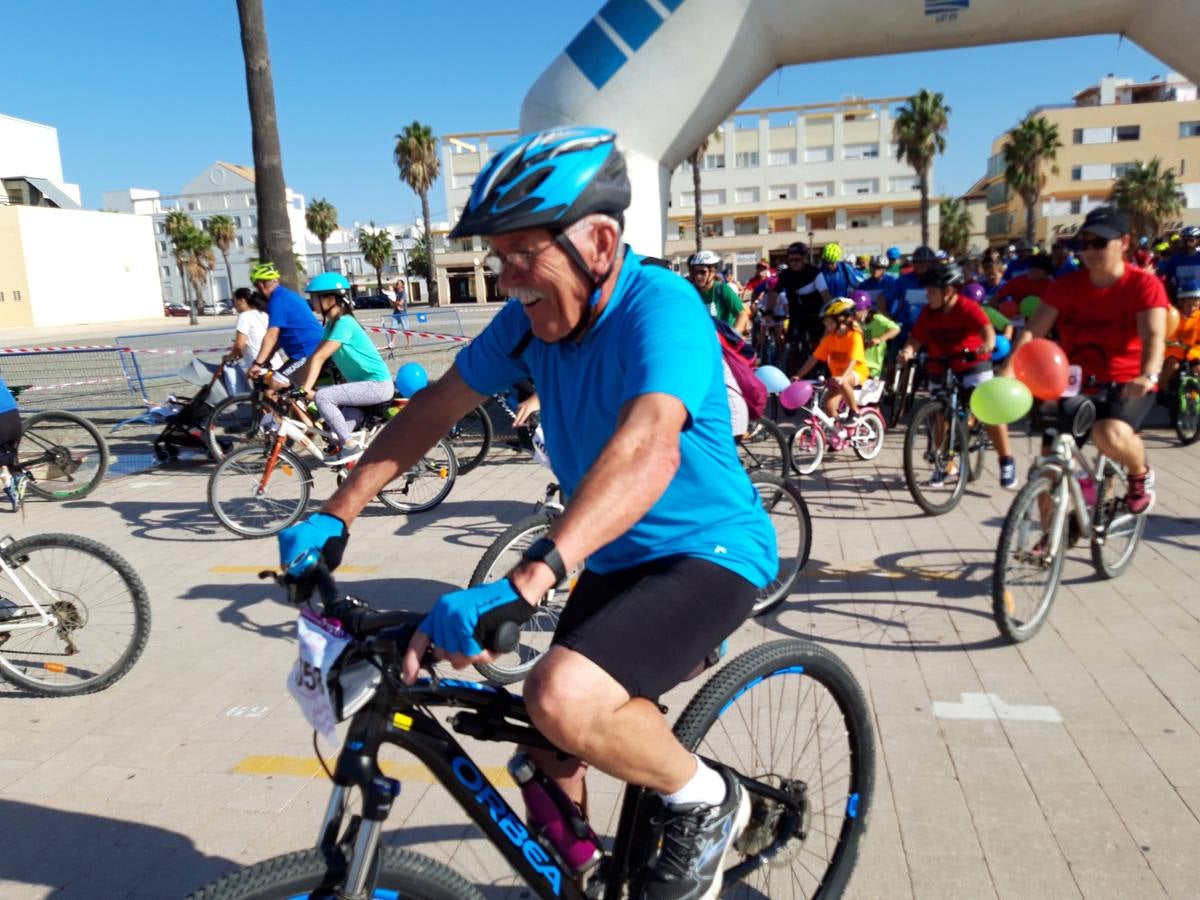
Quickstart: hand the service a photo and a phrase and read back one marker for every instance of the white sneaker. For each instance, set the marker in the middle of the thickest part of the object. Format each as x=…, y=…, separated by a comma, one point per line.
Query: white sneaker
x=348, y=454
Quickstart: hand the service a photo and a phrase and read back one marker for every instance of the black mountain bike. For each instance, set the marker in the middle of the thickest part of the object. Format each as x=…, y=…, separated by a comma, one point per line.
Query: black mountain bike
x=64, y=454
x=788, y=717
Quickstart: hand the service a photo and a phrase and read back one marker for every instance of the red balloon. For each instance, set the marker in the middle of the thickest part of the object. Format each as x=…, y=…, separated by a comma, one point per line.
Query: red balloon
x=1009, y=308
x=1042, y=366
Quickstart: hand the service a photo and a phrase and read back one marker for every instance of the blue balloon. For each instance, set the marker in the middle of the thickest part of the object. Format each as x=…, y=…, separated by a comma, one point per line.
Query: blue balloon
x=411, y=378
x=773, y=378
x=1003, y=348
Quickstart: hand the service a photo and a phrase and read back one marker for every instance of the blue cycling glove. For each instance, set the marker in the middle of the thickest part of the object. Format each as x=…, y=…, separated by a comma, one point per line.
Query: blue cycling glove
x=319, y=533
x=462, y=621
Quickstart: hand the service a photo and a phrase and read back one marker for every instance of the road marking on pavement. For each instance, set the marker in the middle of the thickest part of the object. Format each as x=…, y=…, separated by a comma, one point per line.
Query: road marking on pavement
x=143, y=485
x=254, y=570
x=306, y=767
x=989, y=708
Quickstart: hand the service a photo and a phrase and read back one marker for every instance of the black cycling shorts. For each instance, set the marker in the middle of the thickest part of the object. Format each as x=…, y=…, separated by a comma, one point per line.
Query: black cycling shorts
x=651, y=625
x=1069, y=415
x=10, y=436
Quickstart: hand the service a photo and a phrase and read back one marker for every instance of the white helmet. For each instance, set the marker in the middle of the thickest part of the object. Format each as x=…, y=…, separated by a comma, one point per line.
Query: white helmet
x=704, y=258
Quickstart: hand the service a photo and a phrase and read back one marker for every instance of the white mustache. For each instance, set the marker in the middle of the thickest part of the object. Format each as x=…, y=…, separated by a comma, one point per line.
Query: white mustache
x=527, y=296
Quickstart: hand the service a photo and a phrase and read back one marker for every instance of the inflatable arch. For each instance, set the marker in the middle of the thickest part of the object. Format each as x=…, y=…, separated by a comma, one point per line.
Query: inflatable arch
x=664, y=74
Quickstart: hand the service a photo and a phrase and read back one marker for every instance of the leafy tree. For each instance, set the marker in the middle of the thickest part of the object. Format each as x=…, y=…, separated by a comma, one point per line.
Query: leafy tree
x=322, y=220
x=419, y=257
x=696, y=160
x=416, y=157
x=1148, y=194
x=176, y=226
x=194, y=252
x=920, y=135
x=223, y=233
x=376, y=247
x=955, y=226
x=1030, y=146
x=270, y=189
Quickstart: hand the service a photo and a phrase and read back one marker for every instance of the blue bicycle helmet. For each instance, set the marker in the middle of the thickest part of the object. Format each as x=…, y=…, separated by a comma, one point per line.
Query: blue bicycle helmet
x=327, y=283
x=548, y=179
x=893, y=253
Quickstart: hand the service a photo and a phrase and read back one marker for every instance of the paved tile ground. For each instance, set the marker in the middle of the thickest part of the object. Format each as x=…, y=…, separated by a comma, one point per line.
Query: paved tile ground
x=137, y=791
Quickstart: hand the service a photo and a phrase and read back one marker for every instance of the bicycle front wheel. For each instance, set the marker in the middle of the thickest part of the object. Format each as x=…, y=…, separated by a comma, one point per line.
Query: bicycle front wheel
x=1115, y=530
x=313, y=873
x=101, y=616
x=426, y=484
x=808, y=448
x=789, y=516
x=256, y=497
x=471, y=438
x=867, y=433
x=791, y=715
x=65, y=454
x=764, y=447
x=504, y=553
x=1025, y=576
x=1185, y=410
x=935, y=458
x=234, y=423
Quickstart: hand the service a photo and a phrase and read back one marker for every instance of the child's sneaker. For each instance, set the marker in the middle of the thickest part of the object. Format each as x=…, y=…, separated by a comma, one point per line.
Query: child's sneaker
x=1140, y=496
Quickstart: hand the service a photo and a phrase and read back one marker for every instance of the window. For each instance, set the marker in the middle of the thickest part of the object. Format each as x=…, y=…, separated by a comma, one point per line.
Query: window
x=1076, y=207
x=1189, y=129
x=781, y=192
x=906, y=217
x=162, y=246
x=745, y=195
x=1129, y=132
x=166, y=270
x=1106, y=134
x=860, y=151
x=746, y=160
x=464, y=181
x=781, y=158
x=860, y=186
x=779, y=225
x=905, y=184
x=714, y=161
x=237, y=221
x=707, y=198
x=1, y=296
x=1077, y=173
x=241, y=242
x=191, y=206
x=1121, y=169
x=249, y=199
x=746, y=225
x=253, y=221
x=161, y=228
x=860, y=223
x=16, y=296
x=818, y=189
x=818, y=154
x=204, y=224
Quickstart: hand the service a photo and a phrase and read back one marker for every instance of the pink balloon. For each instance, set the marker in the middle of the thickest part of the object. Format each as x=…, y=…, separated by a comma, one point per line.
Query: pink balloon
x=796, y=394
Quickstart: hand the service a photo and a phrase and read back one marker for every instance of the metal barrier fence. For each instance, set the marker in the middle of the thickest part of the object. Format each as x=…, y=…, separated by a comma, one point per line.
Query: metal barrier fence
x=163, y=353
x=83, y=379
x=427, y=322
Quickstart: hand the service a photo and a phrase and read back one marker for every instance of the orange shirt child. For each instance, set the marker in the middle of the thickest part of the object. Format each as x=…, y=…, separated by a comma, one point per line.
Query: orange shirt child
x=1188, y=334
x=842, y=352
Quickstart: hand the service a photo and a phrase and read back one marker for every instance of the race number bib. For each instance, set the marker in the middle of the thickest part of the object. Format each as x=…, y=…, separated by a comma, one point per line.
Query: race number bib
x=1074, y=381
x=540, y=456
x=321, y=643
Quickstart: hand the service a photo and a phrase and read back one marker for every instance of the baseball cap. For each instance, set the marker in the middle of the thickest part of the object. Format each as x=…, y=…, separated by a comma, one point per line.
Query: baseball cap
x=1106, y=222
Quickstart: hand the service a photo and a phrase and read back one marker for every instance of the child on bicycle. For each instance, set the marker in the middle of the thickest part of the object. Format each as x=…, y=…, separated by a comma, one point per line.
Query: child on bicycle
x=10, y=435
x=368, y=381
x=1183, y=344
x=877, y=330
x=841, y=349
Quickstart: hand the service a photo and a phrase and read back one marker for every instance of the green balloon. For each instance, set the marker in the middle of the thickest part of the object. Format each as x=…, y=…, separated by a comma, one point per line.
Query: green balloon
x=998, y=319
x=1029, y=305
x=1001, y=401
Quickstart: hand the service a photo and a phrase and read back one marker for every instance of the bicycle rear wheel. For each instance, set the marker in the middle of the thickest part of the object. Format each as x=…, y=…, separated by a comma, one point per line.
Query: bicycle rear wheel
x=935, y=443
x=100, y=606
x=764, y=447
x=977, y=447
x=897, y=400
x=499, y=559
x=789, y=516
x=790, y=714
x=425, y=485
x=471, y=438
x=234, y=423
x=253, y=497
x=313, y=873
x=1025, y=577
x=1115, y=530
x=64, y=453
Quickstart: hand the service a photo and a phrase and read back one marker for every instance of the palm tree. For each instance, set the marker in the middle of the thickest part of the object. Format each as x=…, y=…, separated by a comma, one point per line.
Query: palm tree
x=223, y=233
x=955, y=226
x=376, y=247
x=199, y=263
x=695, y=160
x=1148, y=195
x=270, y=189
x=176, y=226
x=416, y=157
x=321, y=219
x=920, y=135
x=1030, y=145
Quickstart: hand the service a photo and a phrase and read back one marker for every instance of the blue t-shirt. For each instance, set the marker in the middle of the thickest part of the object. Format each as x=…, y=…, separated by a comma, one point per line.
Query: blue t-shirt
x=906, y=299
x=299, y=330
x=1182, y=269
x=7, y=401
x=1017, y=267
x=876, y=286
x=841, y=280
x=652, y=337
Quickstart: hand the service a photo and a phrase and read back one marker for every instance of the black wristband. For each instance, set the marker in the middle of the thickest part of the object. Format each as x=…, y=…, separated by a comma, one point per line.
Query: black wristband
x=544, y=550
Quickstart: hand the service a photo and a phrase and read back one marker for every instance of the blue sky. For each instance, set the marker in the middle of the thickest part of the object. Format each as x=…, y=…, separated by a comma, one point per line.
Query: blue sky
x=146, y=94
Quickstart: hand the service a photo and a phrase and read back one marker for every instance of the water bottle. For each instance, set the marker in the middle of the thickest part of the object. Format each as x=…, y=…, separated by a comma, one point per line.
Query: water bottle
x=1087, y=484
x=554, y=818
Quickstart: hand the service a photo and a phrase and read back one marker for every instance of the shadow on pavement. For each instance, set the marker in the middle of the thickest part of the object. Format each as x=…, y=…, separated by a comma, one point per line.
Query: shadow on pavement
x=159, y=521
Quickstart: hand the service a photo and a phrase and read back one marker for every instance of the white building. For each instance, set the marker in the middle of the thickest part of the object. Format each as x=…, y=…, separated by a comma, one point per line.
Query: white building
x=59, y=264
x=222, y=189
x=342, y=255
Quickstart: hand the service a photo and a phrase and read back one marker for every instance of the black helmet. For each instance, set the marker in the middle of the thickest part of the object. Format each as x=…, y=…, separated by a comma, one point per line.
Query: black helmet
x=924, y=254
x=947, y=275
x=799, y=248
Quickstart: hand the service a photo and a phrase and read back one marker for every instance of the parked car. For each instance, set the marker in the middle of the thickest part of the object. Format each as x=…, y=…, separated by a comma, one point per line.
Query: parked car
x=220, y=308
x=175, y=309
x=372, y=301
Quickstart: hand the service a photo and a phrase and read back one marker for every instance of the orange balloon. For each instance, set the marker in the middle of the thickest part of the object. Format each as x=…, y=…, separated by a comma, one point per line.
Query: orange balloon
x=1173, y=318
x=1042, y=366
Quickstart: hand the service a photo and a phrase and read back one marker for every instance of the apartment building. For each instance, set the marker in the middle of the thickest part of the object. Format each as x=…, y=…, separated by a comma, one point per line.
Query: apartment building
x=816, y=173
x=1104, y=130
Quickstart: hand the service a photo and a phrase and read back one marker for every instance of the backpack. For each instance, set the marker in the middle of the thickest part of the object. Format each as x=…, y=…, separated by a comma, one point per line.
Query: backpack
x=740, y=358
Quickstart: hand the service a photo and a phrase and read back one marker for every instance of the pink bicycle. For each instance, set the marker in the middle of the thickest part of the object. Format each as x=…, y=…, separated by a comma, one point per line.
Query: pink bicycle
x=863, y=433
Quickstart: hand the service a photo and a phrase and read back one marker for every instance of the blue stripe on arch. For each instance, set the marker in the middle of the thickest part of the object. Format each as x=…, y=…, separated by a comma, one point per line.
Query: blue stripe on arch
x=633, y=20
x=672, y=5
x=596, y=55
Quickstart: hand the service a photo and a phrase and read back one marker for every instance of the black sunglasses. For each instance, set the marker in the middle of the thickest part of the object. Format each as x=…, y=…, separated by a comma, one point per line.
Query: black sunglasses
x=1096, y=243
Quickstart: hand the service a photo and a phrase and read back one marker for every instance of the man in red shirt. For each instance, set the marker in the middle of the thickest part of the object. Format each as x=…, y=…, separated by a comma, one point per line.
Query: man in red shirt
x=1111, y=320
x=1033, y=283
x=951, y=325
x=762, y=273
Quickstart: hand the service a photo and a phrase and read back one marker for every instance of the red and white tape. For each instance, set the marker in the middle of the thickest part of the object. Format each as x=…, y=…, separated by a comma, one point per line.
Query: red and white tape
x=70, y=384
x=452, y=338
